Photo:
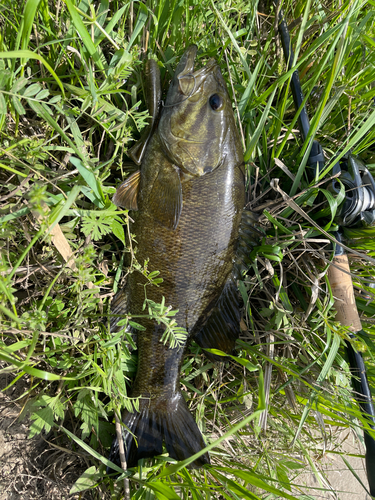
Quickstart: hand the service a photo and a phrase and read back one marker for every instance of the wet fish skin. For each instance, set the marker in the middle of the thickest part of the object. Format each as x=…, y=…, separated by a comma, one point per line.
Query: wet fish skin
x=190, y=201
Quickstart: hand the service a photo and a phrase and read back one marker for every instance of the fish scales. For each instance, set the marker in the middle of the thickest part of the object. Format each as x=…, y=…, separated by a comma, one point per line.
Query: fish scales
x=190, y=200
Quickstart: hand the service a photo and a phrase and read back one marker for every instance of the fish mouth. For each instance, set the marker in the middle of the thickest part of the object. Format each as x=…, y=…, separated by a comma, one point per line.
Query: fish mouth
x=188, y=79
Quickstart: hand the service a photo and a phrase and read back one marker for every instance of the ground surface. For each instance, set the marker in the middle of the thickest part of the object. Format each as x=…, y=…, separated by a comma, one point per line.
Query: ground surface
x=343, y=484
x=31, y=468
x=34, y=469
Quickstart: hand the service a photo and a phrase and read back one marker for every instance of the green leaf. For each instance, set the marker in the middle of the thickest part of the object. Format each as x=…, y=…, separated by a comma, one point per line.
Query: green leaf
x=94, y=453
x=118, y=230
x=41, y=111
x=19, y=213
x=86, y=480
x=234, y=487
x=136, y=326
x=162, y=491
x=84, y=34
x=42, y=94
x=86, y=409
x=18, y=85
x=62, y=209
x=28, y=19
x=3, y=105
x=255, y=137
x=282, y=476
x=42, y=420
x=90, y=179
x=256, y=480
x=32, y=90
x=141, y=21
x=242, y=361
x=96, y=225
x=27, y=54
x=30, y=369
x=18, y=106
x=112, y=23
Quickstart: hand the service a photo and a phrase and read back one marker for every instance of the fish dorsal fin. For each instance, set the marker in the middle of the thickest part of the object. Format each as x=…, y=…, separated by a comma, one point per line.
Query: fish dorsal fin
x=222, y=327
x=127, y=192
x=166, y=197
x=153, y=98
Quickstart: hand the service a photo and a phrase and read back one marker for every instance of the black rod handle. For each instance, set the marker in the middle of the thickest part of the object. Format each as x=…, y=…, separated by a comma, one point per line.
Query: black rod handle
x=364, y=399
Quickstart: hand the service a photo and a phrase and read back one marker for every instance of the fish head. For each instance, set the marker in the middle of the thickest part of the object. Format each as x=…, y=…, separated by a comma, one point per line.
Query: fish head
x=196, y=116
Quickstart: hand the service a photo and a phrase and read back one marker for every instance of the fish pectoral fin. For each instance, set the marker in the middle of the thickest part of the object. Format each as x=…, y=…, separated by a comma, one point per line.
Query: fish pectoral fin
x=144, y=432
x=127, y=192
x=221, y=329
x=166, y=197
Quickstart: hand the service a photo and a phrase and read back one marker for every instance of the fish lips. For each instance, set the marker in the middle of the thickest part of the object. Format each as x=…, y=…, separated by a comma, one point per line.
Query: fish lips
x=189, y=81
x=186, y=80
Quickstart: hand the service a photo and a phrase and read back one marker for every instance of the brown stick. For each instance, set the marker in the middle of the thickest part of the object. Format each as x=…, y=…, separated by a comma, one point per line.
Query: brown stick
x=342, y=289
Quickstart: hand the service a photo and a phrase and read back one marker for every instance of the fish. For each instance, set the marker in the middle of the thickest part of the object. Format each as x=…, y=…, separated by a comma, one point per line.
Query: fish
x=187, y=197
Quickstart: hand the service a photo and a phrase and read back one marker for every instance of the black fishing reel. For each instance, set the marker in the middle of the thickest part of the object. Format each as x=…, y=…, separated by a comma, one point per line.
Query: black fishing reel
x=358, y=207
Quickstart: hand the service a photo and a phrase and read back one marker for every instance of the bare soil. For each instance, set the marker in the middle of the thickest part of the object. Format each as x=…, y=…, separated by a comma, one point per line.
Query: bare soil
x=33, y=469
x=333, y=480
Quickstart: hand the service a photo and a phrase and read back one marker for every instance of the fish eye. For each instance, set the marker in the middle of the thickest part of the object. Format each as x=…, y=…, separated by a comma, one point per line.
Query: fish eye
x=216, y=102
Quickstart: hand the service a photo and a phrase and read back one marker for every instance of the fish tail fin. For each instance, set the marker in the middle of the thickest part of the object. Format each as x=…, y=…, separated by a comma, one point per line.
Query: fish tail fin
x=157, y=421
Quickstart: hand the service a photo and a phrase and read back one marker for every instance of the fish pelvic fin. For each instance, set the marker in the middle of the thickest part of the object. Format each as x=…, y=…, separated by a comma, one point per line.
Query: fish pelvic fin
x=160, y=421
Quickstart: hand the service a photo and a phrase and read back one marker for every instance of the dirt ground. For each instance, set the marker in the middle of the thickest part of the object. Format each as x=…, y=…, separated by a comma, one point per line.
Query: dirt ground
x=335, y=481
x=32, y=469
x=41, y=469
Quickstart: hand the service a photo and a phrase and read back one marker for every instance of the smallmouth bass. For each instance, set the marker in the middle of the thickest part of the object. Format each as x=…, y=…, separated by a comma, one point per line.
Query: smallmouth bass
x=189, y=196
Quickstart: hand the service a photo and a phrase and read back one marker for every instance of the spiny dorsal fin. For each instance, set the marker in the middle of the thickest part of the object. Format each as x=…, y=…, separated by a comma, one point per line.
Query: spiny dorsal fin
x=127, y=192
x=153, y=98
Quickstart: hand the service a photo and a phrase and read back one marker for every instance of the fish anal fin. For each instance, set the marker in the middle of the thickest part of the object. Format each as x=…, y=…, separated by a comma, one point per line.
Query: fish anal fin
x=127, y=192
x=166, y=197
x=221, y=329
x=156, y=423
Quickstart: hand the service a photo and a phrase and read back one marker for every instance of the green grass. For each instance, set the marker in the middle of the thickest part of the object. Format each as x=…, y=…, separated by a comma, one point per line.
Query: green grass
x=71, y=103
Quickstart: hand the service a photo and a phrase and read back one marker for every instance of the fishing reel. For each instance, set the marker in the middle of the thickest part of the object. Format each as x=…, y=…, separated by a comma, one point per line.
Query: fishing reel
x=358, y=207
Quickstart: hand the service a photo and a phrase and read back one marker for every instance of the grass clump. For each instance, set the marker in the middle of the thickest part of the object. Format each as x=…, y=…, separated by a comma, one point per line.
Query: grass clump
x=71, y=103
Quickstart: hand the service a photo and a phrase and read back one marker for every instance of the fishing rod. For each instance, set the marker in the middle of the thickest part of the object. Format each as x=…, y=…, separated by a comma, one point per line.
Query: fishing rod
x=357, y=210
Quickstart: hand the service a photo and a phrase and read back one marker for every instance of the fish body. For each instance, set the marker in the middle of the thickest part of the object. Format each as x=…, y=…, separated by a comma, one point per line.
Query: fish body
x=190, y=199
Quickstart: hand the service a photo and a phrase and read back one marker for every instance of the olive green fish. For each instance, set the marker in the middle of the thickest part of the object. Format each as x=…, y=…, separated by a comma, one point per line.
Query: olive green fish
x=189, y=194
